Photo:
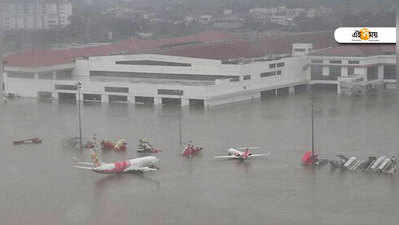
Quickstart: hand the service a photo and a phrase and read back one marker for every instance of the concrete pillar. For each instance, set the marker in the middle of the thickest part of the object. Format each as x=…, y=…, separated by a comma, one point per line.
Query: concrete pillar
x=131, y=99
x=54, y=96
x=54, y=75
x=291, y=90
x=326, y=71
x=36, y=76
x=380, y=72
x=185, y=101
x=77, y=97
x=157, y=101
x=344, y=71
x=338, y=89
x=4, y=80
x=104, y=98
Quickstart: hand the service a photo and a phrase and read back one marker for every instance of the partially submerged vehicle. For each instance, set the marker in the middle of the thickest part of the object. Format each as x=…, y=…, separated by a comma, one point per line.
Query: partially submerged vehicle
x=119, y=145
x=380, y=165
x=145, y=147
x=35, y=140
x=190, y=150
x=312, y=159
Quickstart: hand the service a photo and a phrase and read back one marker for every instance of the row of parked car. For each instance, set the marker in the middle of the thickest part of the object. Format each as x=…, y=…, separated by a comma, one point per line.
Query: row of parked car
x=380, y=165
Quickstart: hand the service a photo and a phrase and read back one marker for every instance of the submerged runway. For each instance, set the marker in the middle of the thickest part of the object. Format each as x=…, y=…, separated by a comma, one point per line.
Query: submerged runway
x=40, y=186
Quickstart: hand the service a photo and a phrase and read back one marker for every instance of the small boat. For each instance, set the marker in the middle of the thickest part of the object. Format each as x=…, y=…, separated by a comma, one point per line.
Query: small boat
x=28, y=141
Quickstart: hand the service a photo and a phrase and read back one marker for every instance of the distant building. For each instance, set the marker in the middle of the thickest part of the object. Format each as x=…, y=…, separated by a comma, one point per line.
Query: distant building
x=205, y=19
x=35, y=14
x=282, y=20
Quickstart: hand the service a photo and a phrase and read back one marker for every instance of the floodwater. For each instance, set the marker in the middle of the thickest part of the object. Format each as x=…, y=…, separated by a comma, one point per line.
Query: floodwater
x=39, y=185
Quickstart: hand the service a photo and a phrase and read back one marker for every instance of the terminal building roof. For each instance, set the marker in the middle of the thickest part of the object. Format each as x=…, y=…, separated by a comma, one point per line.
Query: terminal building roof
x=208, y=45
x=357, y=50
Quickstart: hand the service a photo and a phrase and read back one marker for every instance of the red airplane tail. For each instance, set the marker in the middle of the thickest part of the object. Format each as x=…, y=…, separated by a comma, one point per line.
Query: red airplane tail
x=246, y=154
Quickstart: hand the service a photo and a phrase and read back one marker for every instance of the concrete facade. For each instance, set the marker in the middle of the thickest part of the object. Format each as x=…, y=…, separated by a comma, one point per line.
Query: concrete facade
x=211, y=81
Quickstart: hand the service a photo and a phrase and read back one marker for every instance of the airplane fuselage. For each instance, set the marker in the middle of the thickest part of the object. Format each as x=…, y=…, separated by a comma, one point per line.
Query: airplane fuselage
x=127, y=165
x=238, y=154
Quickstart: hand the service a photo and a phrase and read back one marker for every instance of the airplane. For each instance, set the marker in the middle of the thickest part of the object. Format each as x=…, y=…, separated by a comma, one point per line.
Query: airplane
x=137, y=165
x=234, y=153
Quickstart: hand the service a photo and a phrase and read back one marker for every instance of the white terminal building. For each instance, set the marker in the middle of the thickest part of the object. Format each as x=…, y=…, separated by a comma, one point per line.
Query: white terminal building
x=182, y=72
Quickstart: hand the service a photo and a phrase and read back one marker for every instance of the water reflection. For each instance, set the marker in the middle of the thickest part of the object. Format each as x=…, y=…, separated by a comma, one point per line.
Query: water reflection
x=116, y=180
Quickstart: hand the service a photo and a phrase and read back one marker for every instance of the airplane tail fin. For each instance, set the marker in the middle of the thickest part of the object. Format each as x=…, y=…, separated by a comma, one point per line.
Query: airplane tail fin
x=94, y=158
x=246, y=153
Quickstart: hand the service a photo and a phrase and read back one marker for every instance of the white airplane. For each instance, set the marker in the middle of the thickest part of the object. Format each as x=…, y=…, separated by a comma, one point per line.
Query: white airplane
x=233, y=153
x=137, y=165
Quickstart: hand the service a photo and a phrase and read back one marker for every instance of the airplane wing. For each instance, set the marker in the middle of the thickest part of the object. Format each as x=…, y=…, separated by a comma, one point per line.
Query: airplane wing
x=140, y=169
x=258, y=155
x=83, y=167
x=244, y=148
x=85, y=163
x=226, y=157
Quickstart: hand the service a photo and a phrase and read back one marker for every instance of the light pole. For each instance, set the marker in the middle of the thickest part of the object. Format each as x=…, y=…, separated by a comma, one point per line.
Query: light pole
x=79, y=87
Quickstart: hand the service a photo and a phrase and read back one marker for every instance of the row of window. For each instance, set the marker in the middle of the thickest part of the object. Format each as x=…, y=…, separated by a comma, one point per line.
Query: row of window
x=335, y=71
x=120, y=89
x=272, y=73
x=319, y=61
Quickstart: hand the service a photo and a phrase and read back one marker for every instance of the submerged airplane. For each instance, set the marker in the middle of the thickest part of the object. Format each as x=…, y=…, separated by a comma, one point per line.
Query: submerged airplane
x=137, y=165
x=233, y=153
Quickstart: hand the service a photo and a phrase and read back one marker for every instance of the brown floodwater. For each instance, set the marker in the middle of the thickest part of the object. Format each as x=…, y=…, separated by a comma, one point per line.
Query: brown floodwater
x=39, y=185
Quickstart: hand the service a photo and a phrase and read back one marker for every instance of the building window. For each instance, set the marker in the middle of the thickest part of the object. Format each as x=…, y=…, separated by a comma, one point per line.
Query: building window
x=335, y=71
x=268, y=74
x=235, y=79
x=170, y=92
x=299, y=50
x=65, y=87
x=280, y=64
x=279, y=72
x=351, y=71
x=46, y=76
x=316, y=72
x=272, y=66
x=317, y=61
x=335, y=61
x=247, y=77
x=151, y=63
x=21, y=75
x=353, y=62
x=389, y=72
x=117, y=89
x=372, y=73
